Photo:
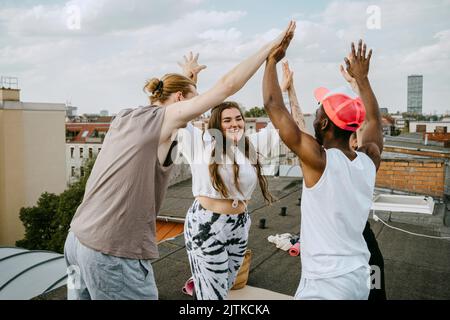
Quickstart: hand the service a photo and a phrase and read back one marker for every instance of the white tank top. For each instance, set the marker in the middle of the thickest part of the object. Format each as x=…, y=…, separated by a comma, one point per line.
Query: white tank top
x=333, y=215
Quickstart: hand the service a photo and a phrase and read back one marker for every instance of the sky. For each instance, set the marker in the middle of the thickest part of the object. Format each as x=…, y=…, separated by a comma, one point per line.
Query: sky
x=97, y=54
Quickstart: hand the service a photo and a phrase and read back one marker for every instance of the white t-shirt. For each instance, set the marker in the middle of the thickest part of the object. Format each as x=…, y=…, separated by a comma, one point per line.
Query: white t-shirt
x=334, y=213
x=196, y=147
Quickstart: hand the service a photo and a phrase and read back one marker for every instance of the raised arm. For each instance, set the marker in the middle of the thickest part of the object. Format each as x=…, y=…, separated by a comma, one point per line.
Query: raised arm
x=287, y=86
x=302, y=144
x=178, y=114
x=372, y=135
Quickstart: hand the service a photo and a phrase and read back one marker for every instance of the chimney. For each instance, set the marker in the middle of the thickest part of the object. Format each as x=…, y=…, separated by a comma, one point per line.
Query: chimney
x=9, y=89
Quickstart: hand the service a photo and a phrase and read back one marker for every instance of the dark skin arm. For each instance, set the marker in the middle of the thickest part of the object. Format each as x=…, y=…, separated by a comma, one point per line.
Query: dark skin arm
x=311, y=154
x=372, y=136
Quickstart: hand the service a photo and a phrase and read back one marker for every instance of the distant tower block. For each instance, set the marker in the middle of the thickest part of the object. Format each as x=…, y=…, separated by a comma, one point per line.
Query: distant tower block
x=415, y=94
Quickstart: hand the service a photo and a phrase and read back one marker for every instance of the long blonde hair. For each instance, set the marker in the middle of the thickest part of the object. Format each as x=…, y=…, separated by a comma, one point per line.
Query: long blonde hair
x=250, y=153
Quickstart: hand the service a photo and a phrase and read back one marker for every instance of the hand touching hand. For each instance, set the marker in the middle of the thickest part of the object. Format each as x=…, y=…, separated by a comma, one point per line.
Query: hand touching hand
x=279, y=49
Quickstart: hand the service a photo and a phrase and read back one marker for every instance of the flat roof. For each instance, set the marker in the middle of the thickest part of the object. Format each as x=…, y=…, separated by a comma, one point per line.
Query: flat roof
x=415, y=267
x=32, y=106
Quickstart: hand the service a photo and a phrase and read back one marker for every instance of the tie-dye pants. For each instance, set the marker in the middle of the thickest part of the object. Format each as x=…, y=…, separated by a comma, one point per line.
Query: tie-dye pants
x=216, y=245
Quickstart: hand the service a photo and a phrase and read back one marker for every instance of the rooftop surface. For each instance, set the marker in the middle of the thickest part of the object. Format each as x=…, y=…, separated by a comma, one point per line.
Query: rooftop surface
x=414, y=141
x=415, y=267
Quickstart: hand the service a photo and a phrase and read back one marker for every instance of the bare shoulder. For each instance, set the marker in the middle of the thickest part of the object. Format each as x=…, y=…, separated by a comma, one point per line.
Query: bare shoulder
x=313, y=164
x=373, y=152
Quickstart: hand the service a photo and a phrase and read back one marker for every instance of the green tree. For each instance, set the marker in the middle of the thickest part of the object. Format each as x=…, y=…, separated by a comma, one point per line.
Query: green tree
x=68, y=204
x=255, y=112
x=38, y=222
x=47, y=224
x=434, y=118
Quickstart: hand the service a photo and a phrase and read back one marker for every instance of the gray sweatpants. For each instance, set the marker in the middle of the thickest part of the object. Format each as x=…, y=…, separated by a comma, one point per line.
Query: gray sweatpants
x=98, y=276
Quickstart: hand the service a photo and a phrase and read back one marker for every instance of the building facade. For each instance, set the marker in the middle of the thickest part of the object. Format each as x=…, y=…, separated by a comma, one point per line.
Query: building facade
x=83, y=142
x=429, y=126
x=32, y=158
x=399, y=121
x=415, y=94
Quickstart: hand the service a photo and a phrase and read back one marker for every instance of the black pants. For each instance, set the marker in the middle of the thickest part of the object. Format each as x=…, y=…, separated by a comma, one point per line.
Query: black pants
x=376, y=258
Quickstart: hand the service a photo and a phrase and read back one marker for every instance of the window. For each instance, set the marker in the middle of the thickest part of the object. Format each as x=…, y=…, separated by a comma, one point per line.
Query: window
x=421, y=128
x=72, y=173
x=71, y=134
x=82, y=171
x=81, y=152
x=440, y=129
x=72, y=149
x=90, y=153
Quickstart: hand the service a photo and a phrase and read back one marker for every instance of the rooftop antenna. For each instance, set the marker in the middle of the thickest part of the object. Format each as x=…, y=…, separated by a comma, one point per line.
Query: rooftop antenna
x=9, y=82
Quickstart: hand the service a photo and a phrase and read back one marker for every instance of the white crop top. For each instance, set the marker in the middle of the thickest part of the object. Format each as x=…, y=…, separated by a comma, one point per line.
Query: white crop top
x=196, y=147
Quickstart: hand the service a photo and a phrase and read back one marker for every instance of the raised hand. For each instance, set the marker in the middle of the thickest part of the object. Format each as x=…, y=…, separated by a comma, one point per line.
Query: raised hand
x=349, y=79
x=190, y=66
x=278, y=51
x=288, y=77
x=371, y=138
x=358, y=63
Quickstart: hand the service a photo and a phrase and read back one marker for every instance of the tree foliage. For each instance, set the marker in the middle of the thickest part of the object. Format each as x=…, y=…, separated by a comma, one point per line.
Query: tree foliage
x=38, y=222
x=47, y=223
x=255, y=112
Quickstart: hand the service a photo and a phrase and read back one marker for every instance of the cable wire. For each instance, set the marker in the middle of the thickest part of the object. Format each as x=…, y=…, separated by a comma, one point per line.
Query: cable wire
x=377, y=218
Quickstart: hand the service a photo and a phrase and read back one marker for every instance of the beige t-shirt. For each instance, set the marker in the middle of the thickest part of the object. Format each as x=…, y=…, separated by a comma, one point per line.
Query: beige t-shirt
x=126, y=188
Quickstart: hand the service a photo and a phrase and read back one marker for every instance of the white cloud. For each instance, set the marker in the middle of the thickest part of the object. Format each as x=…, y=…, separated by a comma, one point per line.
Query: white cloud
x=96, y=16
x=432, y=54
x=121, y=43
x=221, y=35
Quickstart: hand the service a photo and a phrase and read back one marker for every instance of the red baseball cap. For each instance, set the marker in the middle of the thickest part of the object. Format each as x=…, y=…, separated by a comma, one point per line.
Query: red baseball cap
x=345, y=111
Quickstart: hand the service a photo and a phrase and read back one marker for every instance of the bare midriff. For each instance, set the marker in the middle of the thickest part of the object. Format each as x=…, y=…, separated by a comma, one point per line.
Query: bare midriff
x=222, y=206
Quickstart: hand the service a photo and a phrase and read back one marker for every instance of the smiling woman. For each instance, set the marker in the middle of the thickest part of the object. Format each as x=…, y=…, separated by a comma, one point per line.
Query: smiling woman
x=228, y=119
x=225, y=169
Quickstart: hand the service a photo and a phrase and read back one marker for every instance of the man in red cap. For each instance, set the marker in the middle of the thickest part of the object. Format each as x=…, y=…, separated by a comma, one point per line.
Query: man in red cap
x=338, y=182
